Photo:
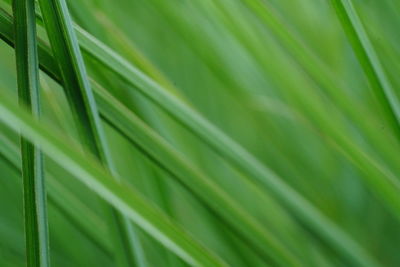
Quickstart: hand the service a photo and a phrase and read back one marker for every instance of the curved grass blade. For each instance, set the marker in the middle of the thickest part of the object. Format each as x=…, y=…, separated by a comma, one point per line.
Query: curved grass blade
x=385, y=189
x=63, y=42
x=309, y=63
x=125, y=199
x=168, y=158
x=368, y=59
x=97, y=21
x=185, y=171
x=227, y=148
x=34, y=193
x=379, y=179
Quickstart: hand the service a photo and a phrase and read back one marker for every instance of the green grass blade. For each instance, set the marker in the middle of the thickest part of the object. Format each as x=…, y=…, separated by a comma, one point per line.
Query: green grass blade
x=64, y=44
x=46, y=60
x=122, y=197
x=186, y=172
x=164, y=155
x=386, y=189
x=73, y=74
x=35, y=210
x=226, y=147
x=63, y=199
x=168, y=158
x=307, y=60
x=368, y=60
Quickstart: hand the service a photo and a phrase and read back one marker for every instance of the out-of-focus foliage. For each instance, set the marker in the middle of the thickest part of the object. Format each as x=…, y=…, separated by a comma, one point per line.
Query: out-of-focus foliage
x=280, y=78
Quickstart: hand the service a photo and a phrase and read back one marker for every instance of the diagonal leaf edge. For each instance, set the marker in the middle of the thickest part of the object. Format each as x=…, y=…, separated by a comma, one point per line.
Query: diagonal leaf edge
x=301, y=208
x=368, y=59
x=140, y=134
x=123, y=198
x=63, y=199
x=63, y=42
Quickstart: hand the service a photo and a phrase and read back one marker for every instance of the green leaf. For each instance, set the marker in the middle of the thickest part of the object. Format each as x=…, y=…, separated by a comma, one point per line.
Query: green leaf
x=227, y=148
x=168, y=158
x=67, y=52
x=35, y=211
x=230, y=150
x=63, y=199
x=123, y=198
x=318, y=71
x=136, y=131
x=184, y=170
x=369, y=60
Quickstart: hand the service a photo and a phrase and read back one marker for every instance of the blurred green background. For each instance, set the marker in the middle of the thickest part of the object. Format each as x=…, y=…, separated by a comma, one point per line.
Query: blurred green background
x=303, y=107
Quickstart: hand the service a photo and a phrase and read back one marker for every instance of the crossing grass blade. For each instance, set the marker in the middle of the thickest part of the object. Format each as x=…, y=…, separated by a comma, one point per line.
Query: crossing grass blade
x=185, y=171
x=280, y=79
x=378, y=178
x=369, y=60
x=308, y=61
x=139, y=134
x=63, y=42
x=35, y=210
x=229, y=149
x=63, y=199
x=127, y=200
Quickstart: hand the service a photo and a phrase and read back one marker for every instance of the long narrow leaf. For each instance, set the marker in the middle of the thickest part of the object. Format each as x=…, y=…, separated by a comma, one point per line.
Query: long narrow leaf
x=368, y=59
x=122, y=197
x=165, y=155
x=227, y=148
x=64, y=200
x=63, y=42
x=168, y=158
x=35, y=211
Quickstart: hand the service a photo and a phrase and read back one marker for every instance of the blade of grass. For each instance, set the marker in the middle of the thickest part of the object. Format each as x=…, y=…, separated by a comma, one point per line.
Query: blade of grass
x=168, y=158
x=34, y=193
x=46, y=60
x=238, y=156
x=368, y=59
x=63, y=42
x=186, y=172
x=64, y=200
x=387, y=189
x=229, y=149
x=328, y=83
x=127, y=200
x=79, y=10
x=306, y=60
